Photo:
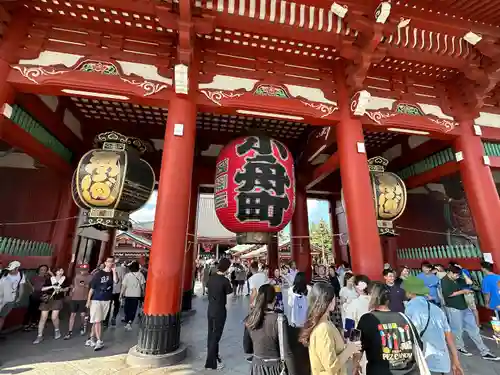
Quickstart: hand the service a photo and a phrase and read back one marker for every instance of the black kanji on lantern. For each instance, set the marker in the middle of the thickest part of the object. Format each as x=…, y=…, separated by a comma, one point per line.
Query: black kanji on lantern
x=262, y=206
x=262, y=181
x=262, y=145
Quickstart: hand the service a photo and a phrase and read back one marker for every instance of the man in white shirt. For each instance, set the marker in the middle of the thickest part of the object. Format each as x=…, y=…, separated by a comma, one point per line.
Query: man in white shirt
x=257, y=279
x=12, y=283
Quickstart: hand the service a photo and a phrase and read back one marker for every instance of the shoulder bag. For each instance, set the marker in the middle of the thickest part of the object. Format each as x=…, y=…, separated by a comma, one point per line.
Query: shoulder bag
x=141, y=285
x=281, y=328
x=428, y=319
x=417, y=352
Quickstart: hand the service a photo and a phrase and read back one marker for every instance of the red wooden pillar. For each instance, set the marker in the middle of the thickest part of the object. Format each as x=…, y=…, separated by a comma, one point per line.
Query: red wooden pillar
x=336, y=249
x=364, y=240
x=108, y=248
x=160, y=327
x=272, y=254
x=390, y=248
x=191, y=244
x=301, y=248
x=480, y=190
x=64, y=228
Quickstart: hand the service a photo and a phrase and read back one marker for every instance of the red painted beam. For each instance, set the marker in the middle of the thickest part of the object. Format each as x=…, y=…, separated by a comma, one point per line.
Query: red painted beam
x=490, y=134
x=324, y=170
x=256, y=26
x=495, y=162
x=17, y=137
x=39, y=110
x=432, y=175
x=418, y=153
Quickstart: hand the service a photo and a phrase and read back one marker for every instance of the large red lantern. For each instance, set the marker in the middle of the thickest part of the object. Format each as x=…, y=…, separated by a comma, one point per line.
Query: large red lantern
x=254, y=188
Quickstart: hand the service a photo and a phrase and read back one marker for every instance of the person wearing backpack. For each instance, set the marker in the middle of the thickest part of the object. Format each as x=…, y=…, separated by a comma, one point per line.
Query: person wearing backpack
x=432, y=325
x=12, y=285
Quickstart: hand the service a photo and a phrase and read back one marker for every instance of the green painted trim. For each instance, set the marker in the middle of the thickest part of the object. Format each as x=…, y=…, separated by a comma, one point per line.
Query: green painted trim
x=18, y=247
x=430, y=162
x=491, y=149
x=27, y=122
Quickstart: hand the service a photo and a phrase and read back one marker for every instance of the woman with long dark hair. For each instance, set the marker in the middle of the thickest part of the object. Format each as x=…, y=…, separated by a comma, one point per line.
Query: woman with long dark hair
x=388, y=338
x=52, y=300
x=32, y=316
x=327, y=352
x=266, y=336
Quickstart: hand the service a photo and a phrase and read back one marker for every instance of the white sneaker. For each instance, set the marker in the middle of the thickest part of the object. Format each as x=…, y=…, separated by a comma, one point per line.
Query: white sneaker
x=57, y=334
x=90, y=342
x=220, y=366
x=128, y=327
x=98, y=345
x=38, y=340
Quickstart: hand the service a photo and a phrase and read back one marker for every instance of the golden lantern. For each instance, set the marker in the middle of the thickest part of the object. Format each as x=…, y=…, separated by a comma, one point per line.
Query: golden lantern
x=389, y=195
x=113, y=181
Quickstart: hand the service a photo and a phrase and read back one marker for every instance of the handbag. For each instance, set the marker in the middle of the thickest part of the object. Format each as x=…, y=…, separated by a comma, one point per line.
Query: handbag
x=281, y=328
x=417, y=352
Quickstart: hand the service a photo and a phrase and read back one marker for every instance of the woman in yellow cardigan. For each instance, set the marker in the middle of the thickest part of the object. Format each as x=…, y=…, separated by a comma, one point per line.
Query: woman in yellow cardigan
x=327, y=351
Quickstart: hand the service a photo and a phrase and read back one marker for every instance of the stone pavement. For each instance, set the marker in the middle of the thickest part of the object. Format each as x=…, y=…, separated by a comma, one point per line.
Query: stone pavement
x=51, y=357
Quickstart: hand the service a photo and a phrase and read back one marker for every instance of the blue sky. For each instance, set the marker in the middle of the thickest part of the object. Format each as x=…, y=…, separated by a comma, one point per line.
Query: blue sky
x=318, y=209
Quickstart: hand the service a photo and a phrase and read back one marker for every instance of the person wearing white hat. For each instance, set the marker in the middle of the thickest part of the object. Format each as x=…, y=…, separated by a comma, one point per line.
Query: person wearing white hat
x=12, y=282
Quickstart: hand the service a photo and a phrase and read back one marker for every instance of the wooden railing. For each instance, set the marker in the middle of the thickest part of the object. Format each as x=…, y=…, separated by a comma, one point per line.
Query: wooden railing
x=19, y=247
x=468, y=256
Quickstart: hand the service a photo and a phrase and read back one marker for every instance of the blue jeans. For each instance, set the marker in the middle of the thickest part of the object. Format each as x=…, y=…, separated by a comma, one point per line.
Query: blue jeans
x=464, y=320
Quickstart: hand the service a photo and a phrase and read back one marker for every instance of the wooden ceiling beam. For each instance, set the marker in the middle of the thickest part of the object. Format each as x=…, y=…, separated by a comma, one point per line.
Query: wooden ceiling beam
x=279, y=31
x=436, y=20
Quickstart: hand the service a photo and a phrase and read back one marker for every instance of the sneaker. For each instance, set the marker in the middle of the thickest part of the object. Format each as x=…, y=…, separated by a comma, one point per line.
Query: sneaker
x=38, y=340
x=128, y=327
x=90, y=342
x=98, y=345
x=249, y=359
x=57, y=334
x=83, y=331
x=464, y=352
x=490, y=357
x=113, y=322
x=68, y=336
x=220, y=366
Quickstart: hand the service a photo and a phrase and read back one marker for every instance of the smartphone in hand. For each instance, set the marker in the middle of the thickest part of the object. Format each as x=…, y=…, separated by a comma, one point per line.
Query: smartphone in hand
x=355, y=335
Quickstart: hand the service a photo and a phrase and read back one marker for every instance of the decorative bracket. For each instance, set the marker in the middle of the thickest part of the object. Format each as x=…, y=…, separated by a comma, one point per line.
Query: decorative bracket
x=359, y=102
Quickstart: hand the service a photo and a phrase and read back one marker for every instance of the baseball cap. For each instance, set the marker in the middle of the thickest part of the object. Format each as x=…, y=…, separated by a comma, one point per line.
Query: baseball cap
x=13, y=265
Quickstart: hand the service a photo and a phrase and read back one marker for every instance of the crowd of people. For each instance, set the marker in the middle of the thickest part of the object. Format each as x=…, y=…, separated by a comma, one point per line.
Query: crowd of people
x=402, y=325
x=95, y=297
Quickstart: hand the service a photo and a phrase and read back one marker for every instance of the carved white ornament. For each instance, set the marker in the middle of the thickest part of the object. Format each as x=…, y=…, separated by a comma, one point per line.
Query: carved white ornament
x=326, y=110
x=472, y=38
x=339, y=10
x=181, y=79
x=150, y=88
x=35, y=72
x=360, y=102
x=383, y=11
x=217, y=96
x=377, y=116
x=448, y=125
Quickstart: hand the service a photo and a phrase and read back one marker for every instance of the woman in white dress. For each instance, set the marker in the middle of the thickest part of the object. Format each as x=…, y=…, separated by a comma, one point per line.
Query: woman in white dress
x=347, y=293
x=359, y=306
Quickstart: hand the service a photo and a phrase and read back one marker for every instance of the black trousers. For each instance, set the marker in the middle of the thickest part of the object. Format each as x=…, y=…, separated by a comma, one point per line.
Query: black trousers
x=130, y=308
x=32, y=315
x=116, y=307
x=216, y=324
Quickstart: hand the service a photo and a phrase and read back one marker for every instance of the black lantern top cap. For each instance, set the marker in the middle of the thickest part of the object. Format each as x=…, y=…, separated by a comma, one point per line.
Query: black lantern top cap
x=113, y=137
x=377, y=164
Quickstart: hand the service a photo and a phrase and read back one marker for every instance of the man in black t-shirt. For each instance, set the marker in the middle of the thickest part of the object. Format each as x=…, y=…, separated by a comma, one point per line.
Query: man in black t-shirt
x=218, y=288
